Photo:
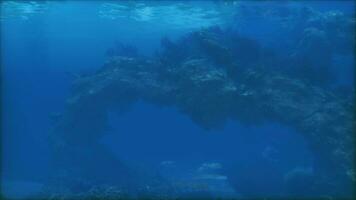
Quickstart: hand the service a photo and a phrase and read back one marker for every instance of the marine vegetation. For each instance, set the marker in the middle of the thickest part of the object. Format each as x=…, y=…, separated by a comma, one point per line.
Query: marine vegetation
x=213, y=75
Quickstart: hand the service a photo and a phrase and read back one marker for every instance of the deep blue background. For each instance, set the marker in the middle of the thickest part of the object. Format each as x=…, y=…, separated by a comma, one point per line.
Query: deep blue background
x=38, y=56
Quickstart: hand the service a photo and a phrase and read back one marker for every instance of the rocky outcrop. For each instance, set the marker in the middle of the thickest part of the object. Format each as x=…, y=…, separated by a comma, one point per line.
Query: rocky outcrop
x=207, y=83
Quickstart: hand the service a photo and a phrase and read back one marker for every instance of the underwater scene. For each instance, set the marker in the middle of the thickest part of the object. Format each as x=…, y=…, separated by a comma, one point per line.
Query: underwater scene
x=177, y=99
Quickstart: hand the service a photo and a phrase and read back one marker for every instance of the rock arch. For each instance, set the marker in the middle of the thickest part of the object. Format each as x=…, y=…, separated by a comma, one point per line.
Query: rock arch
x=209, y=97
x=207, y=84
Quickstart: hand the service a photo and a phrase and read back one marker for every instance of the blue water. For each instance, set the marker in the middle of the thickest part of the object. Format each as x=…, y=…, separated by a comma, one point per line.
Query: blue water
x=45, y=45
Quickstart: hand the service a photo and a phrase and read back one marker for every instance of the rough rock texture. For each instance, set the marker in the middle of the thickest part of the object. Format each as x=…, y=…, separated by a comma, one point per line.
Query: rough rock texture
x=206, y=81
x=209, y=97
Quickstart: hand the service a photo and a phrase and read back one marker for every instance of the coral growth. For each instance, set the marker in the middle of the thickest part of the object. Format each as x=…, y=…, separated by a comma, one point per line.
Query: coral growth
x=209, y=79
